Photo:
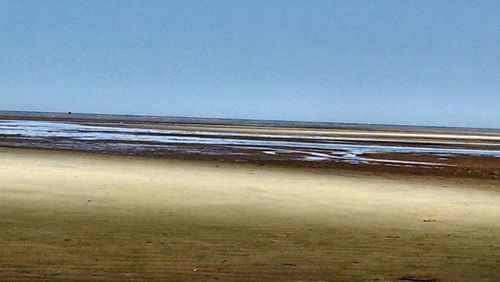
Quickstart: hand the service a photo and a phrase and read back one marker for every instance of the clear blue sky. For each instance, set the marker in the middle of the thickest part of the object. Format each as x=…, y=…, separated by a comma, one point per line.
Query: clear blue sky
x=398, y=62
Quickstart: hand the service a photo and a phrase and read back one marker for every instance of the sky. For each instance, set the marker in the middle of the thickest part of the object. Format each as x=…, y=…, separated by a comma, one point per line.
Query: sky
x=391, y=62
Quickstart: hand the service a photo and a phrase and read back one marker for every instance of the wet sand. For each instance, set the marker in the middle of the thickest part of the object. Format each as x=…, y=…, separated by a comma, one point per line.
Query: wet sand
x=463, y=152
x=75, y=216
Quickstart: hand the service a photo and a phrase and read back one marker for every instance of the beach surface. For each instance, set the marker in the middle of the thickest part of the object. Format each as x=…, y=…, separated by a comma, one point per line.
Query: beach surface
x=76, y=216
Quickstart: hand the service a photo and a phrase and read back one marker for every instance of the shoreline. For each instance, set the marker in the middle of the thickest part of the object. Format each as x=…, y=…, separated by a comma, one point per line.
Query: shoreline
x=333, y=169
x=379, y=149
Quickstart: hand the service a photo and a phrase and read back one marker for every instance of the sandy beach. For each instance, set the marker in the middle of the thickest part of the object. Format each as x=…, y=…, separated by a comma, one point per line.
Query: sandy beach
x=74, y=216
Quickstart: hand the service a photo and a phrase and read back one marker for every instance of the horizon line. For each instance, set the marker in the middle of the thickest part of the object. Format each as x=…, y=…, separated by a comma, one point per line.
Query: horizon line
x=157, y=118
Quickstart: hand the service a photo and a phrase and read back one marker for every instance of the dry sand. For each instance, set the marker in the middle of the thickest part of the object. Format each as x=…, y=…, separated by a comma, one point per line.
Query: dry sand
x=72, y=216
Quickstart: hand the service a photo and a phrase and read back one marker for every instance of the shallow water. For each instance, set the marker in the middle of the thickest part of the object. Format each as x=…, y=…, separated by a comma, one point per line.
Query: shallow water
x=307, y=148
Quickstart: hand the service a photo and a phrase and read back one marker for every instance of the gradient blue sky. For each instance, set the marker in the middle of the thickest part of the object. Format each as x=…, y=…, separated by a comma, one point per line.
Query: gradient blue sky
x=398, y=62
